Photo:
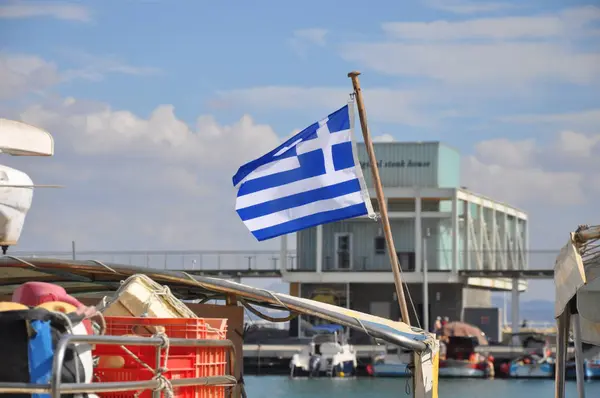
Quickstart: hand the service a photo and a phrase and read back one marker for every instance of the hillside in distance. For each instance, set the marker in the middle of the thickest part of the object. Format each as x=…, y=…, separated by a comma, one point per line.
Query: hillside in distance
x=531, y=310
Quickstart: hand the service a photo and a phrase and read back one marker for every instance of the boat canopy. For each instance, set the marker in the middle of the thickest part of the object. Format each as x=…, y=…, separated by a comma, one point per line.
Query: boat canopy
x=84, y=277
x=461, y=329
x=21, y=139
x=577, y=276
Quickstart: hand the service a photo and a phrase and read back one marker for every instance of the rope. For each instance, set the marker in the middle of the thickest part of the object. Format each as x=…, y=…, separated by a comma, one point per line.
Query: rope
x=364, y=328
x=261, y=315
x=242, y=385
x=105, y=266
x=159, y=373
x=101, y=324
x=22, y=261
x=254, y=310
x=410, y=370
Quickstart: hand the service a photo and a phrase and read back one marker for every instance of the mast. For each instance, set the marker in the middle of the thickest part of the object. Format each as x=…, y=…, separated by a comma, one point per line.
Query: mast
x=389, y=240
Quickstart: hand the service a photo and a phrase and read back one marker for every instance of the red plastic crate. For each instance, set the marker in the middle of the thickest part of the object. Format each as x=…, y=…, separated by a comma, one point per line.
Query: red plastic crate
x=183, y=362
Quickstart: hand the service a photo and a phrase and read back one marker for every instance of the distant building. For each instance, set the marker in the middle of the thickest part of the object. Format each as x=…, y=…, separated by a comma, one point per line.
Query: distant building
x=346, y=263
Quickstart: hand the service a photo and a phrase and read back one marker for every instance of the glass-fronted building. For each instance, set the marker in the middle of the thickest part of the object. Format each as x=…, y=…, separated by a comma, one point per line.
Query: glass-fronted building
x=436, y=223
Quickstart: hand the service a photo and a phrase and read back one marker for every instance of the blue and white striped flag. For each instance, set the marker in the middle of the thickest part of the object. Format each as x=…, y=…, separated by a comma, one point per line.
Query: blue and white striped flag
x=313, y=178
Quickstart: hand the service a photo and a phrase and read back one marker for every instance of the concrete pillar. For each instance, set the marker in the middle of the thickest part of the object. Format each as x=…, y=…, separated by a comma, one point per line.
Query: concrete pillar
x=295, y=292
x=299, y=317
x=283, y=252
x=514, y=302
x=348, y=295
x=455, y=231
x=494, y=242
x=466, y=234
x=319, y=251
x=418, y=233
x=481, y=232
x=515, y=243
x=504, y=240
x=526, y=245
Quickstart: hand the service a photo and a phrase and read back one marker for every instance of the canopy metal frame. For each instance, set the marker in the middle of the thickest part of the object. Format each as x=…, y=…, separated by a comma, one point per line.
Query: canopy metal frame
x=87, y=276
x=587, y=242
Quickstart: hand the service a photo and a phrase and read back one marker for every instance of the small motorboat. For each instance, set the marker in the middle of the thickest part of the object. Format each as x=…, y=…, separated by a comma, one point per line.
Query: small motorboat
x=592, y=368
x=461, y=359
x=394, y=363
x=532, y=366
x=328, y=354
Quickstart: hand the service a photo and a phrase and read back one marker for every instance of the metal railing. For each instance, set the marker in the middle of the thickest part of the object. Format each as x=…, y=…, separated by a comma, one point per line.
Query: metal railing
x=534, y=325
x=188, y=260
x=56, y=387
x=269, y=260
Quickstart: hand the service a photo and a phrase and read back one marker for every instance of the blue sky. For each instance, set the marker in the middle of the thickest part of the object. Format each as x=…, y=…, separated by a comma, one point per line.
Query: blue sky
x=149, y=98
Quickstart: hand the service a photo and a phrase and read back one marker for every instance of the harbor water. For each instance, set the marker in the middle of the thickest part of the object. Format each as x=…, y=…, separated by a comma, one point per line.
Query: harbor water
x=284, y=387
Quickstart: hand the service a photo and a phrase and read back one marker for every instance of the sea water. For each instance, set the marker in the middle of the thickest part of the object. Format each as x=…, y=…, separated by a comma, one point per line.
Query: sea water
x=284, y=387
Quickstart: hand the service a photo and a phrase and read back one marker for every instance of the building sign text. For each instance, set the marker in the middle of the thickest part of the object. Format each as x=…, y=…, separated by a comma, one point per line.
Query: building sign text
x=397, y=164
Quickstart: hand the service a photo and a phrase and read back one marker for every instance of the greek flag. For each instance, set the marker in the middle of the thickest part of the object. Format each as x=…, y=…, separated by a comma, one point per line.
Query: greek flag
x=311, y=179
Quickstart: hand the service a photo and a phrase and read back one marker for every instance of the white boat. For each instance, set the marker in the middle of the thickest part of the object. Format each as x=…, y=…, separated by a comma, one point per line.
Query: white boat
x=16, y=187
x=328, y=354
x=577, y=283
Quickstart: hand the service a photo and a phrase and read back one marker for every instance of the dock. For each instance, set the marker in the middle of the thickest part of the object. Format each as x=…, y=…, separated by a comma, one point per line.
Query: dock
x=366, y=352
x=286, y=351
x=275, y=358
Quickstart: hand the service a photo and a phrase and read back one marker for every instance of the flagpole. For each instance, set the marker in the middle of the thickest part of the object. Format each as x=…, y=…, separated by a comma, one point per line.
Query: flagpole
x=387, y=229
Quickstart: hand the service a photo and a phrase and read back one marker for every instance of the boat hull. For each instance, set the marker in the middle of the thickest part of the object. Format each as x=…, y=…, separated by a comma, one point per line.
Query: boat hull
x=390, y=370
x=458, y=372
x=344, y=369
x=532, y=371
x=592, y=370
x=458, y=369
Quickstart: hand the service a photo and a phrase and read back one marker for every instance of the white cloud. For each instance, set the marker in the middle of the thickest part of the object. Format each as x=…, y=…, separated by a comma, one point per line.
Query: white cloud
x=567, y=23
x=507, y=65
x=468, y=7
x=102, y=130
x=136, y=183
x=584, y=119
x=385, y=105
x=313, y=35
x=132, y=183
x=504, y=152
x=20, y=74
x=485, y=51
x=384, y=138
x=303, y=39
x=59, y=10
x=95, y=67
x=530, y=173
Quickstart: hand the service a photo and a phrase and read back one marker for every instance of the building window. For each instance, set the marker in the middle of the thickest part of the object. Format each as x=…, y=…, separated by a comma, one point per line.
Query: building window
x=343, y=251
x=379, y=245
x=407, y=261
